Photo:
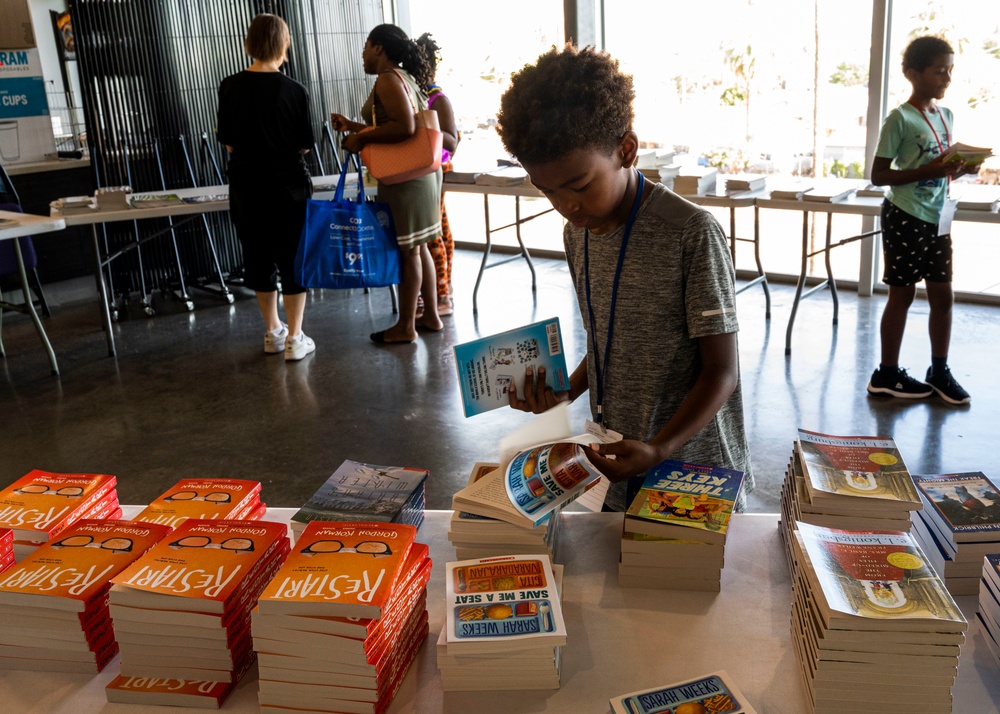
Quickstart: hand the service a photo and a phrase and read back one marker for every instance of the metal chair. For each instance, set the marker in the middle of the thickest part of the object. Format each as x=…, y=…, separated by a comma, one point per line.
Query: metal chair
x=10, y=201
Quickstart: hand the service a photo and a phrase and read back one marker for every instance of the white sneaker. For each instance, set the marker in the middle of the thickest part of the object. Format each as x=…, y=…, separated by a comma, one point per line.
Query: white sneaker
x=298, y=347
x=274, y=342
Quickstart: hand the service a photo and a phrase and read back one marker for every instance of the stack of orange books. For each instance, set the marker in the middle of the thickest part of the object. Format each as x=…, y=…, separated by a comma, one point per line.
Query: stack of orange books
x=54, y=604
x=6, y=548
x=206, y=499
x=167, y=692
x=339, y=625
x=182, y=611
x=41, y=504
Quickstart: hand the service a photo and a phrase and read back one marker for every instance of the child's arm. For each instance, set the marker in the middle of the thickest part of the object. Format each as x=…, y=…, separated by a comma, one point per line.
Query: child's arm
x=539, y=397
x=884, y=175
x=716, y=382
x=446, y=120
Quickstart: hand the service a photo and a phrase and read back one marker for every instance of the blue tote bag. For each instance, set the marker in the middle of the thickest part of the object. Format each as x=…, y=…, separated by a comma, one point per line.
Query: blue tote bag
x=347, y=243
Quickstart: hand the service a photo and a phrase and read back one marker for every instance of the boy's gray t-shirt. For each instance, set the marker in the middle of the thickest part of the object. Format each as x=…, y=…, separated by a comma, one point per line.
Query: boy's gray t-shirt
x=676, y=285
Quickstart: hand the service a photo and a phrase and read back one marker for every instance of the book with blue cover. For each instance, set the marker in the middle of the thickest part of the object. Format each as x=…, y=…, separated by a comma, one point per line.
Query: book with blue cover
x=487, y=367
x=713, y=692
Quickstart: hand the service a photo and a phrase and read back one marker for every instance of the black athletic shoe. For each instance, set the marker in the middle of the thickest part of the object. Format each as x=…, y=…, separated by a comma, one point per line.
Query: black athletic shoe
x=897, y=383
x=947, y=388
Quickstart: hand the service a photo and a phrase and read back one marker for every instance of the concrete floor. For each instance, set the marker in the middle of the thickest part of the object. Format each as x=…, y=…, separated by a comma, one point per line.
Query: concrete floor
x=192, y=394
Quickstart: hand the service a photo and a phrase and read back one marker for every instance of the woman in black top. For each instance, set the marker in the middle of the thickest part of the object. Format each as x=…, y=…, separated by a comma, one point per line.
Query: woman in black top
x=264, y=123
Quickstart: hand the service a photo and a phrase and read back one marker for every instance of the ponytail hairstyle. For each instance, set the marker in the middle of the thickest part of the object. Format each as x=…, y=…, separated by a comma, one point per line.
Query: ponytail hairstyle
x=432, y=51
x=400, y=49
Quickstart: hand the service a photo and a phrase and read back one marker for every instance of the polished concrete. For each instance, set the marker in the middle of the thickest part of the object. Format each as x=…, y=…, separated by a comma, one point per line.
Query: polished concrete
x=192, y=394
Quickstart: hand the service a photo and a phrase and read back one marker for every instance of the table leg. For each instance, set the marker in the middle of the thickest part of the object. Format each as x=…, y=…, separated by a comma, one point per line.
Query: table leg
x=29, y=303
x=520, y=242
x=102, y=289
x=829, y=268
x=760, y=266
x=486, y=254
x=801, y=282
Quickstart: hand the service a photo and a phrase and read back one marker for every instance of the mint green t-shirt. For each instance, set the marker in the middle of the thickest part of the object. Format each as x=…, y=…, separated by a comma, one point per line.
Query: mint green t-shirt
x=909, y=141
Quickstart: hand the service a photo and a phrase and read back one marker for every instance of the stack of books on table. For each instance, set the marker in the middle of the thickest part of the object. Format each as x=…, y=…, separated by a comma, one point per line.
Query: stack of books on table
x=959, y=524
x=715, y=692
x=790, y=189
x=504, y=626
x=661, y=173
x=504, y=176
x=740, y=183
x=675, y=530
x=989, y=605
x=975, y=197
x=340, y=623
x=182, y=610
x=53, y=604
x=366, y=493
x=476, y=536
x=851, y=482
x=871, y=191
x=206, y=499
x=695, y=180
x=873, y=626
x=831, y=190
x=40, y=504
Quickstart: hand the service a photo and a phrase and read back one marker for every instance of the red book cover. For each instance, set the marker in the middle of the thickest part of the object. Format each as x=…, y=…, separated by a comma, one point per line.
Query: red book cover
x=40, y=504
x=202, y=566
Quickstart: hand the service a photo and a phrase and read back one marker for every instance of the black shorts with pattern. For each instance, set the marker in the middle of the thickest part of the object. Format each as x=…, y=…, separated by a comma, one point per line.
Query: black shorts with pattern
x=912, y=249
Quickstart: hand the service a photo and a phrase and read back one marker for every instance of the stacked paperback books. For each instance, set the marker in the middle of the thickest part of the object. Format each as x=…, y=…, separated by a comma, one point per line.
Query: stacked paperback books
x=7, y=558
x=206, y=499
x=476, y=536
x=503, y=176
x=504, y=627
x=989, y=605
x=675, y=529
x=790, y=189
x=713, y=692
x=850, y=482
x=960, y=523
x=53, y=604
x=168, y=692
x=740, y=183
x=182, y=610
x=694, y=180
x=340, y=623
x=366, y=493
x=658, y=166
x=39, y=505
x=873, y=626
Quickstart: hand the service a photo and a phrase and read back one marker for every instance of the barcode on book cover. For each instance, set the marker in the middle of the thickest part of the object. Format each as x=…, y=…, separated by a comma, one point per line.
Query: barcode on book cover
x=552, y=332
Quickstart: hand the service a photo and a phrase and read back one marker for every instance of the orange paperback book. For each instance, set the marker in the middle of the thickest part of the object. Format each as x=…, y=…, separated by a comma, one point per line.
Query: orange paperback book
x=205, y=499
x=40, y=504
x=341, y=570
x=73, y=572
x=203, y=562
x=168, y=692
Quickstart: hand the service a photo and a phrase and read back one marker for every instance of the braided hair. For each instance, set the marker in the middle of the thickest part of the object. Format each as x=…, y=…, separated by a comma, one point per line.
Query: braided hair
x=399, y=48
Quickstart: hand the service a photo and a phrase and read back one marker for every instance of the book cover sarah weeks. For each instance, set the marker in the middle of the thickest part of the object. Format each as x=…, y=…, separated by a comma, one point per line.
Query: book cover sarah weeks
x=205, y=499
x=203, y=560
x=340, y=569
x=74, y=570
x=40, y=504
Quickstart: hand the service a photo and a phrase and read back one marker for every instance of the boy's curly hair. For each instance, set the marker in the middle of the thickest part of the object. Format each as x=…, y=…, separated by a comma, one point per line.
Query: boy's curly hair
x=569, y=99
x=921, y=53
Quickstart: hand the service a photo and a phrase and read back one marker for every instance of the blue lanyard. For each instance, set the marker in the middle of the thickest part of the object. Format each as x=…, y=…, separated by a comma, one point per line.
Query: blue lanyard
x=599, y=368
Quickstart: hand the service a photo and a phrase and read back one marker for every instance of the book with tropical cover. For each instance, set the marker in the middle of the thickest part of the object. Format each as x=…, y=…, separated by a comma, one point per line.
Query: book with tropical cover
x=40, y=504
x=195, y=693
x=865, y=466
x=74, y=571
x=202, y=566
x=489, y=366
x=685, y=501
x=714, y=693
x=340, y=569
x=880, y=576
x=972, y=155
x=503, y=603
x=204, y=499
x=366, y=493
x=961, y=506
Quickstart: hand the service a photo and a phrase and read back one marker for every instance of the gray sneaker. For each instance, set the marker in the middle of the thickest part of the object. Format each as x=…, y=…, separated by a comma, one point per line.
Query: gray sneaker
x=274, y=343
x=897, y=383
x=298, y=347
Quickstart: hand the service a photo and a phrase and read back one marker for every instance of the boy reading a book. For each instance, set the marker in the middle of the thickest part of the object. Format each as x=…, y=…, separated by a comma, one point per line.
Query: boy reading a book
x=652, y=272
x=916, y=221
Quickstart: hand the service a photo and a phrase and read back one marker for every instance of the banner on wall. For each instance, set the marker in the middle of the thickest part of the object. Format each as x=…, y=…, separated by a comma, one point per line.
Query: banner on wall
x=25, y=123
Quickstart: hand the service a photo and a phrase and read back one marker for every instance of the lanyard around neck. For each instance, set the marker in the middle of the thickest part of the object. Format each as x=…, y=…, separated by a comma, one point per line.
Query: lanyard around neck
x=947, y=134
x=602, y=369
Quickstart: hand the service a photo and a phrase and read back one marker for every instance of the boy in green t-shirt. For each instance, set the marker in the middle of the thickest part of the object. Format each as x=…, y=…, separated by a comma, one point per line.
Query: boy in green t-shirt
x=916, y=226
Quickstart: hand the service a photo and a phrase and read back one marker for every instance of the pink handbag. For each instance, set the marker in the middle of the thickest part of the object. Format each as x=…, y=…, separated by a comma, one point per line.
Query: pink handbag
x=411, y=158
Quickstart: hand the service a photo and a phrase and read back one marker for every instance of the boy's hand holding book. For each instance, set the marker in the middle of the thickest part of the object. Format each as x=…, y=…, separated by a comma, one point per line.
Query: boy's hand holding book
x=538, y=396
x=623, y=459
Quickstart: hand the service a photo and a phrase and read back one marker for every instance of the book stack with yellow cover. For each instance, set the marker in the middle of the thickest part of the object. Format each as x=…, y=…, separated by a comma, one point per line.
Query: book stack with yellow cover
x=477, y=536
x=53, y=604
x=988, y=614
x=675, y=529
x=504, y=626
x=873, y=626
x=850, y=482
x=40, y=504
x=206, y=499
x=339, y=624
x=366, y=493
x=182, y=611
x=958, y=526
